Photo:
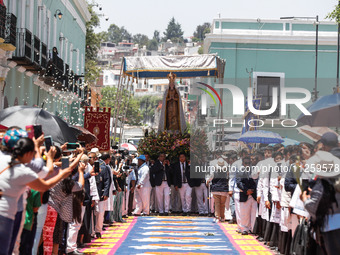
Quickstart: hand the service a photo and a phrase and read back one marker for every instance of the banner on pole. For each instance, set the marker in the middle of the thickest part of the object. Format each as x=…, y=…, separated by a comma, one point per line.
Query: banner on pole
x=97, y=121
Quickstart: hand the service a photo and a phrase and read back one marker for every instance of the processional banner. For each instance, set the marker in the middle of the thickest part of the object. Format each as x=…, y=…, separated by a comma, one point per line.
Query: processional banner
x=97, y=121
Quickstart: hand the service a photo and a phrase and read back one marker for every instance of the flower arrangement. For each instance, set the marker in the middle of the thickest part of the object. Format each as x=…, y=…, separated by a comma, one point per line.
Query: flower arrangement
x=199, y=149
x=172, y=144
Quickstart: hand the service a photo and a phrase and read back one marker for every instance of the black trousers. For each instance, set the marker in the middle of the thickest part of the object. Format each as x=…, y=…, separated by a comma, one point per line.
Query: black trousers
x=274, y=239
x=285, y=242
x=268, y=231
x=86, y=225
x=331, y=242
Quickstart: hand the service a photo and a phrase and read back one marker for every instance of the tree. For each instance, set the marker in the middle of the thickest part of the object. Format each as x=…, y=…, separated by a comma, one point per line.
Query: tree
x=140, y=39
x=125, y=34
x=103, y=36
x=148, y=105
x=133, y=113
x=335, y=14
x=201, y=30
x=173, y=31
x=117, y=34
x=92, y=46
x=156, y=36
x=152, y=45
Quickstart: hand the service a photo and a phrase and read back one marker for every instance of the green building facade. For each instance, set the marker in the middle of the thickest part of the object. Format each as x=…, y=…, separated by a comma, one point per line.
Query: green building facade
x=35, y=75
x=274, y=53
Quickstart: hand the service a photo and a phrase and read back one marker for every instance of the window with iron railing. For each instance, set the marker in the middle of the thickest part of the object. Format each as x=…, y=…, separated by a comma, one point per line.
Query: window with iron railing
x=36, y=56
x=10, y=29
x=2, y=21
x=23, y=45
x=43, y=55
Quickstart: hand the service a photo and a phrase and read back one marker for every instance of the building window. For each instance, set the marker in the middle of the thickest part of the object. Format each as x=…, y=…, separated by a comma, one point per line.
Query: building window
x=106, y=78
x=265, y=82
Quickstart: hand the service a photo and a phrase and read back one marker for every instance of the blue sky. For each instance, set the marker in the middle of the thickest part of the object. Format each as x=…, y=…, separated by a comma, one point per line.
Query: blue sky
x=139, y=16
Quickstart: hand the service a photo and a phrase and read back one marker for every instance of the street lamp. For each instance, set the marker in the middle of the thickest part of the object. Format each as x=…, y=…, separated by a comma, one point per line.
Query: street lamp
x=316, y=49
x=58, y=12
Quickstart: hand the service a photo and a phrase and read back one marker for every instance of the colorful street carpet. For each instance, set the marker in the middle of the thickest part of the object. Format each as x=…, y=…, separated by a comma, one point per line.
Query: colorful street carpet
x=175, y=235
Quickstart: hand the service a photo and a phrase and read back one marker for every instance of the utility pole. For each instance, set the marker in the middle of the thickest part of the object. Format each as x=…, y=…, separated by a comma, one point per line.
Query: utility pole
x=316, y=58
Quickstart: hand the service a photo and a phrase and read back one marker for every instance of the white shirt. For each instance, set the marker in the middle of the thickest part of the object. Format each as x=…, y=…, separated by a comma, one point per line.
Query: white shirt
x=93, y=184
x=144, y=176
x=13, y=183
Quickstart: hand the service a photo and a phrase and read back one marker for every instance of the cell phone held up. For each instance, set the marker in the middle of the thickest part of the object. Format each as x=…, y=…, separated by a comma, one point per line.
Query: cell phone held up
x=48, y=143
x=65, y=162
x=96, y=166
x=72, y=146
x=34, y=131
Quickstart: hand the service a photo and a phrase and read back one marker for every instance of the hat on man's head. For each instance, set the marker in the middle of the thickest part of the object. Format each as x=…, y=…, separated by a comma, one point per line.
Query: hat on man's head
x=329, y=139
x=221, y=162
x=12, y=136
x=96, y=151
x=142, y=157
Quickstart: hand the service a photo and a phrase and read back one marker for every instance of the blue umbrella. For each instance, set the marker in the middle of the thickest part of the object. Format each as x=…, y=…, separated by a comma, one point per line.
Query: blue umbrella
x=325, y=112
x=261, y=136
x=288, y=141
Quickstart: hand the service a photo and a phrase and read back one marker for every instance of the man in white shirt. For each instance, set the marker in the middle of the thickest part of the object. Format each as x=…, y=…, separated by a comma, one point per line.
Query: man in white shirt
x=143, y=188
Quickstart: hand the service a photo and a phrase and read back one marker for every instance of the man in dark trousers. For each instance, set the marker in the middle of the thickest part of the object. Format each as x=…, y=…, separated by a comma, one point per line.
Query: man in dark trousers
x=103, y=181
x=162, y=182
x=183, y=182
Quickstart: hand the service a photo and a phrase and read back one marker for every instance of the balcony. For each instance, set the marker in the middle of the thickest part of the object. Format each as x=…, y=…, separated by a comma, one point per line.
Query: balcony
x=54, y=74
x=8, y=26
x=2, y=23
x=10, y=30
x=23, y=52
x=43, y=56
x=35, y=66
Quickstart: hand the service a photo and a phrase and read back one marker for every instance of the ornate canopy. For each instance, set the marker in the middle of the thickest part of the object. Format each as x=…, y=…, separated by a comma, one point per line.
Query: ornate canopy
x=205, y=65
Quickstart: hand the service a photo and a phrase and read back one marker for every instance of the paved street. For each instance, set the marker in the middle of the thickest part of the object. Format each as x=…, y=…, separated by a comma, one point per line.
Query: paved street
x=175, y=235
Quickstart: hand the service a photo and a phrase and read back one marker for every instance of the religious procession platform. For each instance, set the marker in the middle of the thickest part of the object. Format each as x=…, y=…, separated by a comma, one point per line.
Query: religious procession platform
x=175, y=235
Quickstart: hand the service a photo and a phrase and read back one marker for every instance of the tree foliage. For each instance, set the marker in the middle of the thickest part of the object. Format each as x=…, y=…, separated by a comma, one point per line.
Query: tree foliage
x=173, y=31
x=335, y=14
x=141, y=40
x=148, y=106
x=103, y=36
x=201, y=30
x=92, y=46
x=133, y=113
x=152, y=45
x=156, y=36
x=117, y=34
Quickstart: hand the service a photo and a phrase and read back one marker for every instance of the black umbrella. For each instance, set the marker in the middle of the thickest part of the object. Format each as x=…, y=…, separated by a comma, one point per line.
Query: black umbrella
x=52, y=125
